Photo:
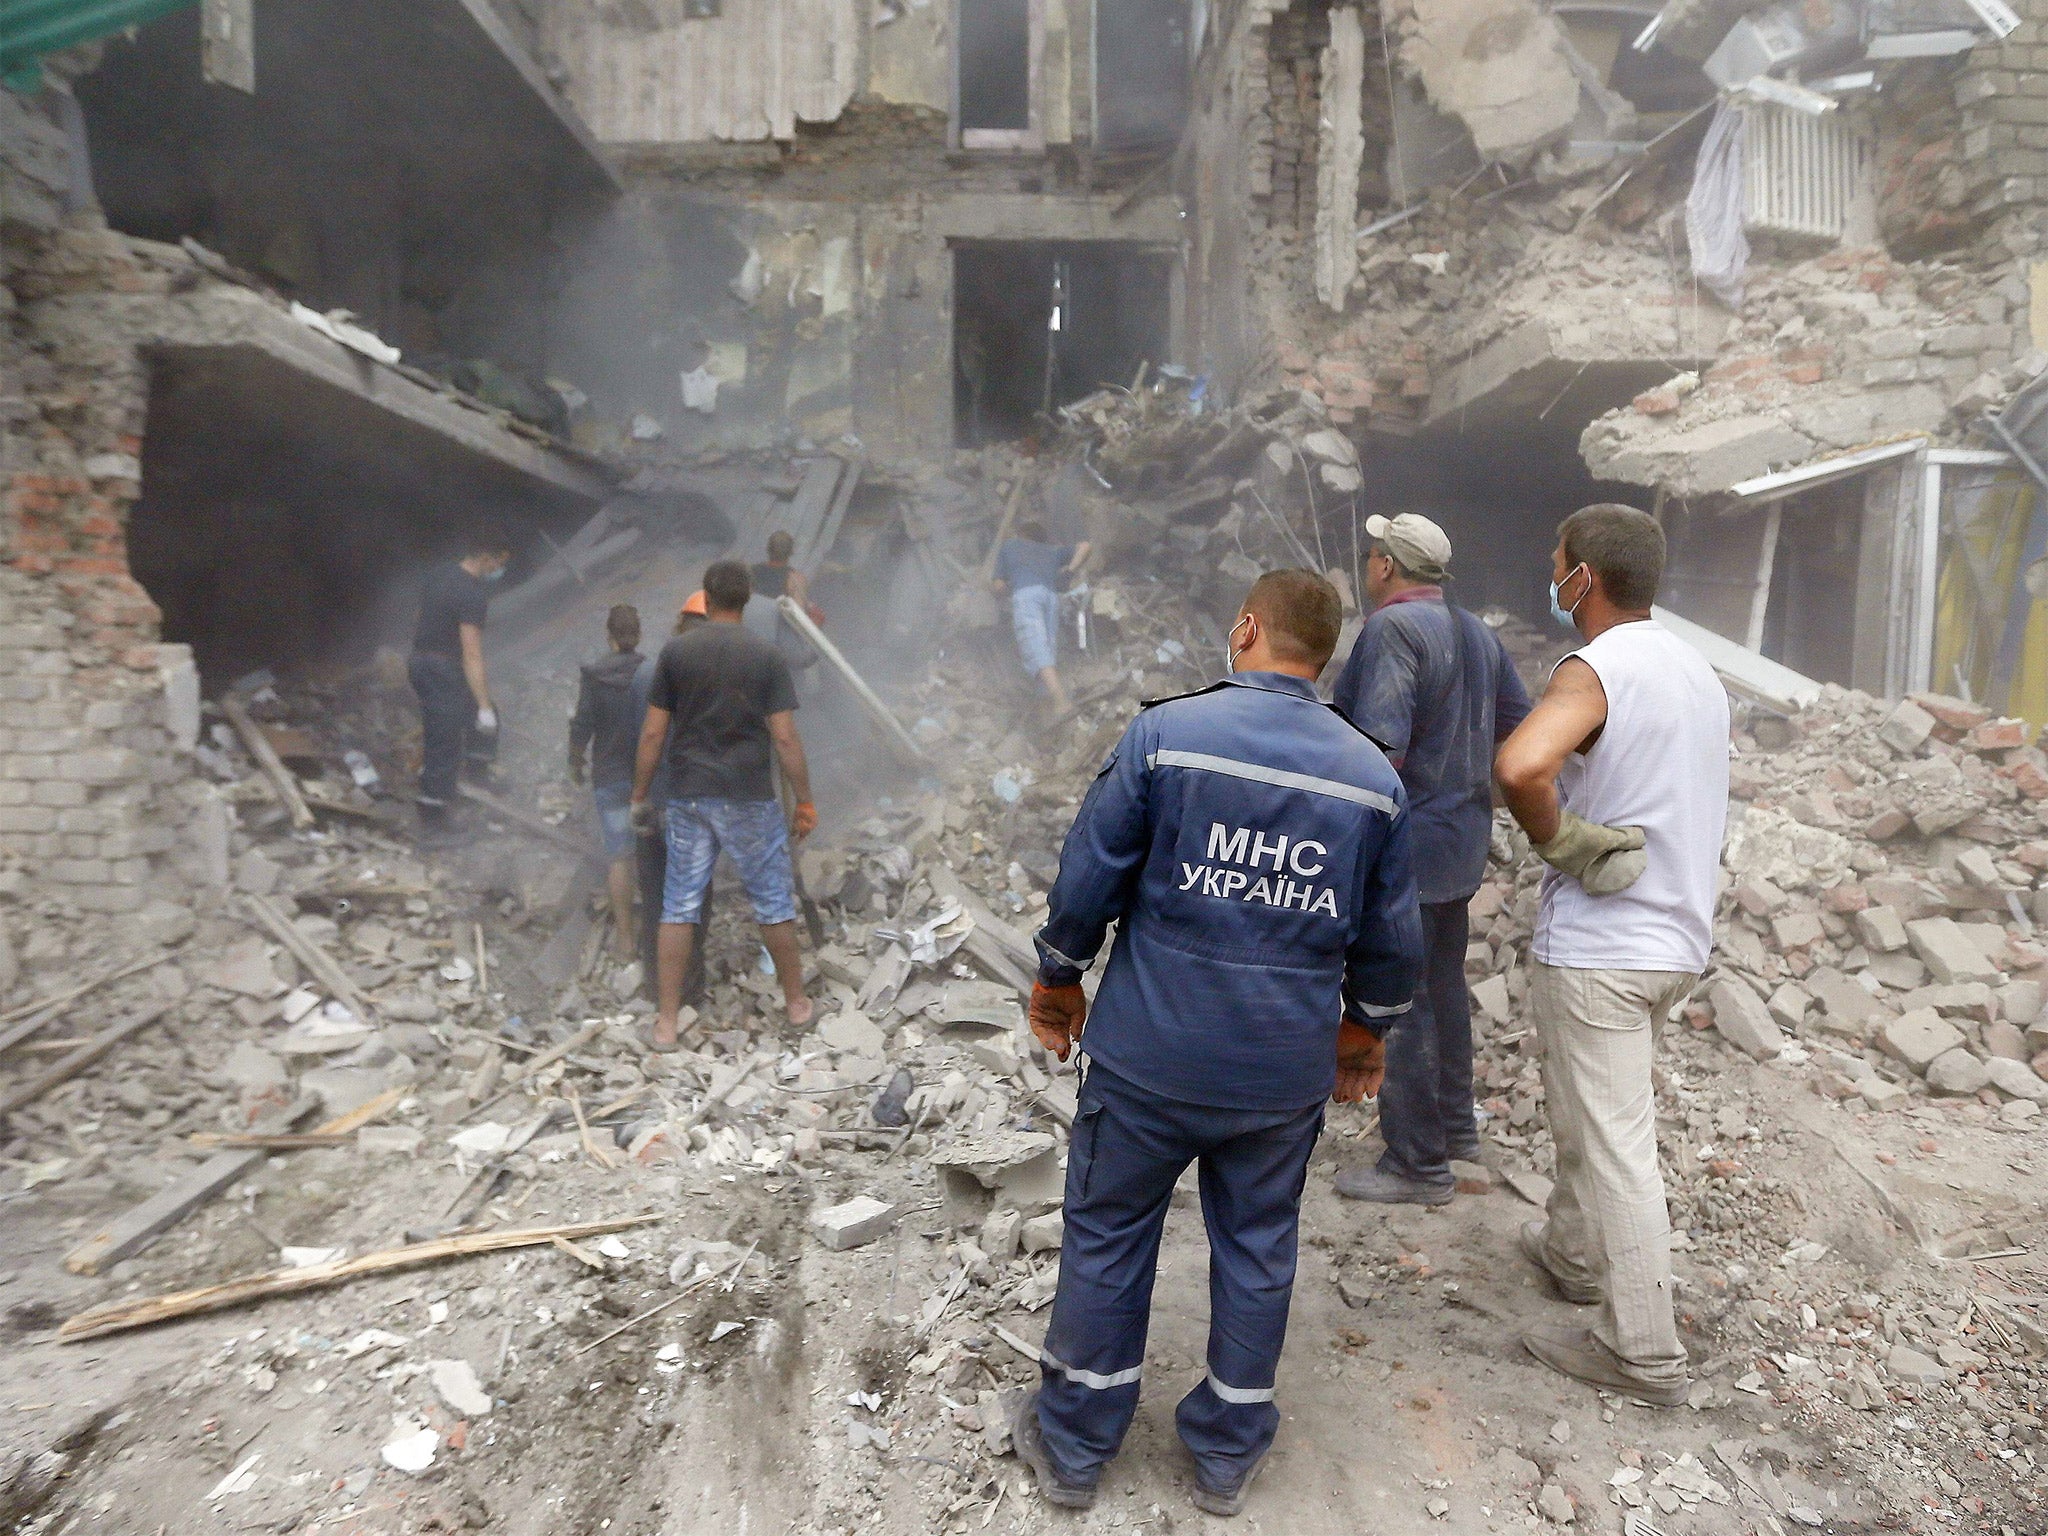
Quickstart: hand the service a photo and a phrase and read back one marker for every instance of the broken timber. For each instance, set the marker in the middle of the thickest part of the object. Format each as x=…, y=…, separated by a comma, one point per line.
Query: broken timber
x=135, y=1230
x=326, y=970
x=39, y=1014
x=75, y=1063
x=892, y=728
x=123, y=1315
x=1002, y=951
x=267, y=759
x=526, y=821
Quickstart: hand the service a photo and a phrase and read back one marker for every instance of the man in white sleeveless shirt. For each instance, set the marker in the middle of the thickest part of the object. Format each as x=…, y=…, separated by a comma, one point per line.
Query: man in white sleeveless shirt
x=1620, y=778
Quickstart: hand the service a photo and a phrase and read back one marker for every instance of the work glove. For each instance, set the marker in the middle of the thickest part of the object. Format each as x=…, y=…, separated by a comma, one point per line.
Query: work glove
x=576, y=768
x=1361, y=1063
x=487, y=721
x=646, y=823
x=803, y=821
x=1602, y=859
x=1057, y=1015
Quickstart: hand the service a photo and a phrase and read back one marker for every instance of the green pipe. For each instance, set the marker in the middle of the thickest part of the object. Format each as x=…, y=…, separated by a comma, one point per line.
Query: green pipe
x=36, y=28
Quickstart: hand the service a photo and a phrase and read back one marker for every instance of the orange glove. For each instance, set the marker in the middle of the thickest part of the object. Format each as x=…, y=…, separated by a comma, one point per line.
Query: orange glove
x=803, y=821
x=1057, y=1015
x=1361, y=1063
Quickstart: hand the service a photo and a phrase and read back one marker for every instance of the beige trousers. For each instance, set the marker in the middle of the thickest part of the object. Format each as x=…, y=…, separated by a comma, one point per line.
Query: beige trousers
x=1607, y=1224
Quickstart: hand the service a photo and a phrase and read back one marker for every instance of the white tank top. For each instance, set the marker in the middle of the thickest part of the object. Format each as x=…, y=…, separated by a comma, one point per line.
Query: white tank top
x=1661, y=763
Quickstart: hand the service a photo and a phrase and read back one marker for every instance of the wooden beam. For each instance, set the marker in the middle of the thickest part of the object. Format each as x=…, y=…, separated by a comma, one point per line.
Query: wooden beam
x=41, y=1013
x=273, y=767
x=139, y=1226
x=902, y=741
x=525, y=821
x=325, y=968
x=75, y=1063
x=122, y=1315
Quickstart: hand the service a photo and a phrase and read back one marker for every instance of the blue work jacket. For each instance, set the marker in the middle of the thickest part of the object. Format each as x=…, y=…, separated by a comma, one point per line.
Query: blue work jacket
x=1252, y=846
x=1435, y=685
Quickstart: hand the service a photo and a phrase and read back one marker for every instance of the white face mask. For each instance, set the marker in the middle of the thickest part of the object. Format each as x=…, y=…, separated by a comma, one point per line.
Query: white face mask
x=1232, y=652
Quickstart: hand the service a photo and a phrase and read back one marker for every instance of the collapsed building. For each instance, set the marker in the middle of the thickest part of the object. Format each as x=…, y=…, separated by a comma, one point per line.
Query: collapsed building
x=291, y=303
x=282, y=304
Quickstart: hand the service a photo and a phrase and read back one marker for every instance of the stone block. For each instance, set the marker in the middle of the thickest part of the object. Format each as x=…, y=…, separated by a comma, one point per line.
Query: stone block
x=852, y=1032
x=1957, y=714
x=1744, y=1021
x=1043, y=1234
x=853, y=1222
x=2020, y=1001
x=1907, y=727
x=1881, y=1095
x=1918, y=1037
x=1957, y=1072
x=1797, y=930
x=107, y=765
x=1490, y=997
x=389, y=1140
x=1978, y=867
x=1948, y=952
x=1848, y=1006
x=2016, y=1080
x=1881, y=928
x=1788, y=1006
x=1013, y=1168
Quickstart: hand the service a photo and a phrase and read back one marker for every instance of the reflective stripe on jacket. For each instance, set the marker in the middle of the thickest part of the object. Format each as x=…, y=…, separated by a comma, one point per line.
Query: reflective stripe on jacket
x=1252, y=846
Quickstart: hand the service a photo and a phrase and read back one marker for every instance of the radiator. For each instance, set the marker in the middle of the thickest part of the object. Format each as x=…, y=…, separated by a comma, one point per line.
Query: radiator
x=1799, y=171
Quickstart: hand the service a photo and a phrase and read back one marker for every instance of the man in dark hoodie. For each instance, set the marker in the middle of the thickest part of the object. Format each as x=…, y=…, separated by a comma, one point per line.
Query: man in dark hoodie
x=607, y=725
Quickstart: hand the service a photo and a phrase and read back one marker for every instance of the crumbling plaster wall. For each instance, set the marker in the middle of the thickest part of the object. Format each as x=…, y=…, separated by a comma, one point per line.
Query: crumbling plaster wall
x=820, y=314
x=95, y=790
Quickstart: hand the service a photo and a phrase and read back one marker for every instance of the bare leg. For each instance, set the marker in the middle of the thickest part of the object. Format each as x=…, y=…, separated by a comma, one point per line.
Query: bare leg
x=672, y=953
x=1054, y=687
x=620, y=881
x=780, y=939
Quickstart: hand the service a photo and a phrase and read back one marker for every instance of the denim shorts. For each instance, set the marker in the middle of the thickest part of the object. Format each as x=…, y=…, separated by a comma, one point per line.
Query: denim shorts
x=1035, y=624
x=751, y=833
x=614, y=818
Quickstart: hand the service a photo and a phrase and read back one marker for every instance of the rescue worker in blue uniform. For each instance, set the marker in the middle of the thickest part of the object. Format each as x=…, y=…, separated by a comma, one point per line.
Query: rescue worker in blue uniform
x=1251, y=845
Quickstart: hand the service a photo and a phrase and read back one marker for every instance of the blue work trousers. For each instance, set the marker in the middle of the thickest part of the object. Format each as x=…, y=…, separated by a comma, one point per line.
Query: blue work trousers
x=1426, y=1114
x=1129, y=1148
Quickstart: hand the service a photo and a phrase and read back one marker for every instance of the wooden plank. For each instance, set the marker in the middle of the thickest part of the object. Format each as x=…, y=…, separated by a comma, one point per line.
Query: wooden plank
x=141, y=1225
x=273, y=767
x=75, y=1063
x=995, y=545
x=801, y=517
x=526, y=821
x=947, y=886
x=122, y=1315
x=901, y=740
x=325, y=968
x=548, y=1058
x=814, y=554
x=39, y=1014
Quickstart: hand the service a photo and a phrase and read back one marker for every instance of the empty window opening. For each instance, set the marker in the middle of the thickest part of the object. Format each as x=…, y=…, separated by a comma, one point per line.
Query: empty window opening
x=1141, y=73
x=996, y=74
x=1790, y=580
x=1039, y=324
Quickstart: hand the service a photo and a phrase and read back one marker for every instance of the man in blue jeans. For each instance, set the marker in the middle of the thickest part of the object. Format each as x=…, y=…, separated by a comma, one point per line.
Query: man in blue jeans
x=1030, y=569
x=1251, y=846
x=733, y=703
x=1434, y=686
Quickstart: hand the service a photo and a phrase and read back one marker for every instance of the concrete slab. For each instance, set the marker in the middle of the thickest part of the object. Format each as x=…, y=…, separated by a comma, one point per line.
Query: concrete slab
x=1705, y=459
x=1534, y=369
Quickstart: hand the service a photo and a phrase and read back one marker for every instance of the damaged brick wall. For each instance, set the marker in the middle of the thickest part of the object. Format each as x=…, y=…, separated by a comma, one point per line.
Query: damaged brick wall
x=2002, y=90
x=90, y=769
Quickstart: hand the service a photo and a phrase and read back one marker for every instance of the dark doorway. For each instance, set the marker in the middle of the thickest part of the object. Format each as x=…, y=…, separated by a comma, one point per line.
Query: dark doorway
x=1038, y=324
x=1141, y=81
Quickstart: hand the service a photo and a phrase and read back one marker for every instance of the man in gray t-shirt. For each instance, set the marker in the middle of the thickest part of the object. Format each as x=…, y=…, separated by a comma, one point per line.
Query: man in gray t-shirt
x=733, y=705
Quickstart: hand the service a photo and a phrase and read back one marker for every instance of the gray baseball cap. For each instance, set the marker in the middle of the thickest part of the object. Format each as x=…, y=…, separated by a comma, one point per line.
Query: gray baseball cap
x=1415, y=541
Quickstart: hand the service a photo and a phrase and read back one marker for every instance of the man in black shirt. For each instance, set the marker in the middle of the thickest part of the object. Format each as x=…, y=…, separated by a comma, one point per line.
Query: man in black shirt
x=733, y=703
x=607, y=725
x=447, y=669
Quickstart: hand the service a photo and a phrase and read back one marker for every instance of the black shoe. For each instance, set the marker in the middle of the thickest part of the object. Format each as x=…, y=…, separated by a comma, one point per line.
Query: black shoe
x=1230, y=1500
x=1378, y=1185
x=1028, y=1440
